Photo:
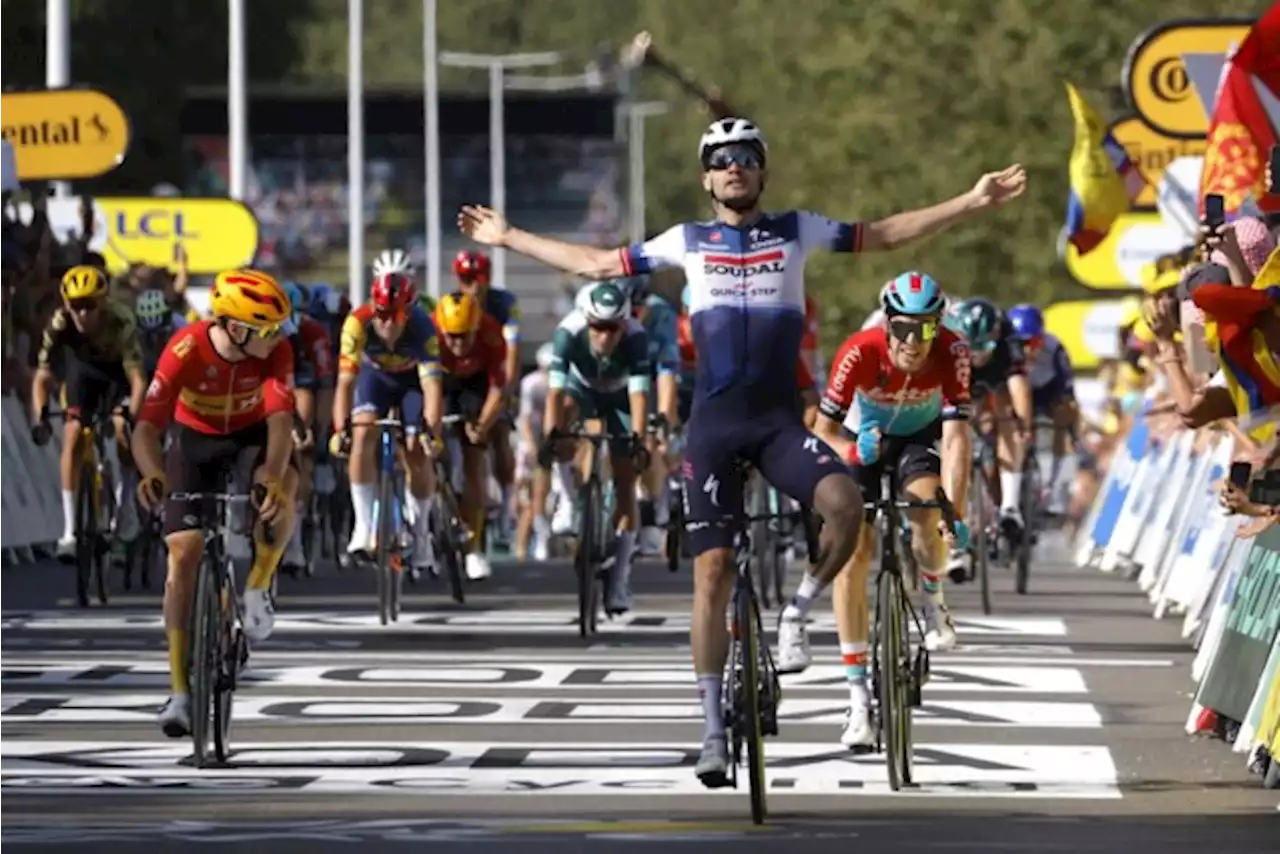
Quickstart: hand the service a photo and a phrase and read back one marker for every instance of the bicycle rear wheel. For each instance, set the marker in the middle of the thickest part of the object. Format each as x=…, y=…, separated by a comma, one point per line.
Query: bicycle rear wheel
x=203, y=666
x=748, y=707
x=889, y=683
x=675, y=530
x=1029, y=499
x=980, y=551
x=382, y=554
x=227, y=661
x=102, y=540
x=584, y=563
x=449, y=538
x=86, y=537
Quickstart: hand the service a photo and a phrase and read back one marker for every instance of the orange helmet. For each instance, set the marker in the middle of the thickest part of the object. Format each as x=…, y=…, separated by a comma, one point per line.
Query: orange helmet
x=250, y=296
x=458, y=313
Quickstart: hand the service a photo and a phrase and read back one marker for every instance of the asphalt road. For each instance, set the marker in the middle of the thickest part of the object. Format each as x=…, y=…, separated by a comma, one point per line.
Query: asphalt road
x=1057, y=725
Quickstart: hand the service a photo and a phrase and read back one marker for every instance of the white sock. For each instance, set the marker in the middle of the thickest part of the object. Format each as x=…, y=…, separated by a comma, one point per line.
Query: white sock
x=626, y=547
x=564, y=476
x=420, y=526
x=362, y=499
x=68, y=514
x=1011, y=487
x=709, y=694
x=806, y=592
x=296, y=536
x=662, y=506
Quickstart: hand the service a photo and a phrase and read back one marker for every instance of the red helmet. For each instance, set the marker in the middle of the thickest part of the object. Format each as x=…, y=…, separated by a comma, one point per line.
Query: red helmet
x=392, y=293
x=471, y=266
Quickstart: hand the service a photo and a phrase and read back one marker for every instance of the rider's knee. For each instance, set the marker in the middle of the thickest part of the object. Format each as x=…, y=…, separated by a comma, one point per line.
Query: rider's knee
x=185, y=548
x=838, y=500
x=711, y=569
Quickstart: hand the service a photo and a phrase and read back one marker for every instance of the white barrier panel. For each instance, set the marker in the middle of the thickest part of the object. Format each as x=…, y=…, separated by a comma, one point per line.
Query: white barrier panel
x=1220, y=606
x=1196, y=559
x=30, y=497
x=1166, y=495
x=1137, y=507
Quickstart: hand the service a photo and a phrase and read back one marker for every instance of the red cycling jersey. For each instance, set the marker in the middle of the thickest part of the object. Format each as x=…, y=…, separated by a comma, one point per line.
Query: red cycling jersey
x=201, y=390
x=689, y=358
x=895, y=402
x=488, y=353
x=312, y=347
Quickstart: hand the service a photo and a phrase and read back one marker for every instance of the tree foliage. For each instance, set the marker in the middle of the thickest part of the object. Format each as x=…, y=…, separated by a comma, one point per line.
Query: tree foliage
x=869, y=107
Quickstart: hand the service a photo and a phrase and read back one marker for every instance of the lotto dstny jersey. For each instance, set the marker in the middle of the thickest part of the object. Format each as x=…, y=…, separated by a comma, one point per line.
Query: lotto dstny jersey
x=746, y=288
x=1051, y=365
x=660, y=327
x=503, y=307
x=626, y=369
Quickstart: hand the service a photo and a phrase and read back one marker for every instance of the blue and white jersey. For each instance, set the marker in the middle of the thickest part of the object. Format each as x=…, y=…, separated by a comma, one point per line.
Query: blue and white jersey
x=746, y=298
x=1052, y=365
x=660, y=326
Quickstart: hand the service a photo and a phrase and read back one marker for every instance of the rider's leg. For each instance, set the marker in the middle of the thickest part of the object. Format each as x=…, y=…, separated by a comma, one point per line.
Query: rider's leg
x=804, y=467
x=849, y=604
x=295, y=556
x=504, y=468
x=626, y=517
x=267, y=551
x=373, y=398
x=919, y=471
x=1011, y=450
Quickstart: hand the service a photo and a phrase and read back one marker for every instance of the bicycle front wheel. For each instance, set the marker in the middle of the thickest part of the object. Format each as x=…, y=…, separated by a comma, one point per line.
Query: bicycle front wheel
x=203, y=665
x=106, y=513
x=891, y=698
x=86, y=536
x=981, y=552
x=227, y=661
x=382, y=554
x=748, y=720
x=584, y=563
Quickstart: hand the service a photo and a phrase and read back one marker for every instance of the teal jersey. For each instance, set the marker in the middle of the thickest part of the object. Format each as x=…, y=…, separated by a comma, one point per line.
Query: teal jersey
x=575, y=364
x=660, y=327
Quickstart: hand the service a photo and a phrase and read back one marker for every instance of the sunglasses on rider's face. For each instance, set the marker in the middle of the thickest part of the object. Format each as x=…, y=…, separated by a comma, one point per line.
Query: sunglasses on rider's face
x=723, y=158
x=84, y=304
x=606, y=328
x=904, y=330
x=241, y=332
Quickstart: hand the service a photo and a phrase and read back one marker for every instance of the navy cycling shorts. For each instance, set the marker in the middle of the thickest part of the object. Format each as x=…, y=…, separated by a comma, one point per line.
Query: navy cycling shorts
x=776, y=443
x=1048, y=395
x=379, y=391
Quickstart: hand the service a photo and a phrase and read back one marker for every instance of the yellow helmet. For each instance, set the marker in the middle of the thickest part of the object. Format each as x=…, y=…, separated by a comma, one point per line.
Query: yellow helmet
x=458, y=313
x=249, y=296
x=83, y=282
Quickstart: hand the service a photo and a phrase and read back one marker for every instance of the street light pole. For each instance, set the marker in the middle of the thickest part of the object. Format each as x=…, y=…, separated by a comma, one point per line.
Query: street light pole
x=355, y=151
x=237, y=103
x=637, y=112
x=57, y=57
x=431, y=111
x=497, y=64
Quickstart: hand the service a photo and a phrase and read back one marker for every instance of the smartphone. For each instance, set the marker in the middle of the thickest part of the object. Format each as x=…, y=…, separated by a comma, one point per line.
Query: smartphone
x=1215, y=212
x=1265, y=489
x=1239, y=475
x=1274, y=161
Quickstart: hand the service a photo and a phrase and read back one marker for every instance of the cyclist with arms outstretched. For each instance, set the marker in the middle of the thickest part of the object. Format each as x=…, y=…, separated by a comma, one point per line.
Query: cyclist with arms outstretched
x=900, y=388
x=745, y=270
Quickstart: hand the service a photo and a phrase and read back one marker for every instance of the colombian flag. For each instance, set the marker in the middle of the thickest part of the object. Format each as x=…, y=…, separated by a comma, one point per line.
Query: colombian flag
x=1104, y=181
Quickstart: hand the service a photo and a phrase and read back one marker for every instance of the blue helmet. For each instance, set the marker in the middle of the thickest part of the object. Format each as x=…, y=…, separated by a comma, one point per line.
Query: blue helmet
x=1028, y=322
x=318, y=302
x=912, y=293
x=297, y=299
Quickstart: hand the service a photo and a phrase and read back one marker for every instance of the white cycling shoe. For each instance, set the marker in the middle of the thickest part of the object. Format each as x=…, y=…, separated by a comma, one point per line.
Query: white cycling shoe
x=858, y=735
x=477, y=567
x=259, y=615
x=941, y=633
x=175, y=716
x=794, y=655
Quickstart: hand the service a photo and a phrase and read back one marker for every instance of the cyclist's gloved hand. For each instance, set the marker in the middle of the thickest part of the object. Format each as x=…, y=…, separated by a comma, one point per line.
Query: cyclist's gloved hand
x=41, y=433
x=962, y=534
x=151, y=492
x=270, y=497
x=547, y=451
x=869, y=445
x=340, y=443
x=637, y=451
x=659, y=426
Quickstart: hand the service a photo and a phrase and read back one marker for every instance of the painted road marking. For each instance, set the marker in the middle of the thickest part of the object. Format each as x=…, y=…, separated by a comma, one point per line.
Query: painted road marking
x=473, y=768
x=491, y=622
x=456, y=710
x=944, y=677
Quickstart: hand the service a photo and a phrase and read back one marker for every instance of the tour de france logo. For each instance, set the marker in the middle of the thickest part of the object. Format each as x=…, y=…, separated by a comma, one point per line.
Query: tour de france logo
x=1232, y=164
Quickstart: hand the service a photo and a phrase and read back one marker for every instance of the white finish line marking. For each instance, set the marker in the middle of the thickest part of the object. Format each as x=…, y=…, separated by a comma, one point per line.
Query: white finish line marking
x=471, y=768
x=457, y=710
x=490, y=622
x=944, y=677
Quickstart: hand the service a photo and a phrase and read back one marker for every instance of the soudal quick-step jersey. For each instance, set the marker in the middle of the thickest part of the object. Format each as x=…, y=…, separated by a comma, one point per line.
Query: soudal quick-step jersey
x=746, y=299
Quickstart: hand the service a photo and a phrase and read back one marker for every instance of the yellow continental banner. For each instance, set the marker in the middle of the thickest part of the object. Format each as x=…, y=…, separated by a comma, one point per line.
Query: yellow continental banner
x=1136, y=239
x=1152, y=152
x=1087, y=329
x=1155, y=77
x=64, y=133
x=217, y=234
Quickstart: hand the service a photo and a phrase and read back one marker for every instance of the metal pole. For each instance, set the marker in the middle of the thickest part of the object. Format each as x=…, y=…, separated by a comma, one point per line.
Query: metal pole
x=355, y=151
x=431, y=110
x=497, y=164
x=237, y=106
x=635, y=153
x=57, y=61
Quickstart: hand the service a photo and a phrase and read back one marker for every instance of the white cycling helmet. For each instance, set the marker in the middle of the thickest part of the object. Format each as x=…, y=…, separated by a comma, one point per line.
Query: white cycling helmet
x=543, y=357
x=729, y=131
x=603, y=302
x=392, y=261
x=152, y=310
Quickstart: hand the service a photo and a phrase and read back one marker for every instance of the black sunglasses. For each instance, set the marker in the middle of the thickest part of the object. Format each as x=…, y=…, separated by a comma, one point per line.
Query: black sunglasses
x=605, y=327
x=923, y=330
x=723, y=158
x=85, y=304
